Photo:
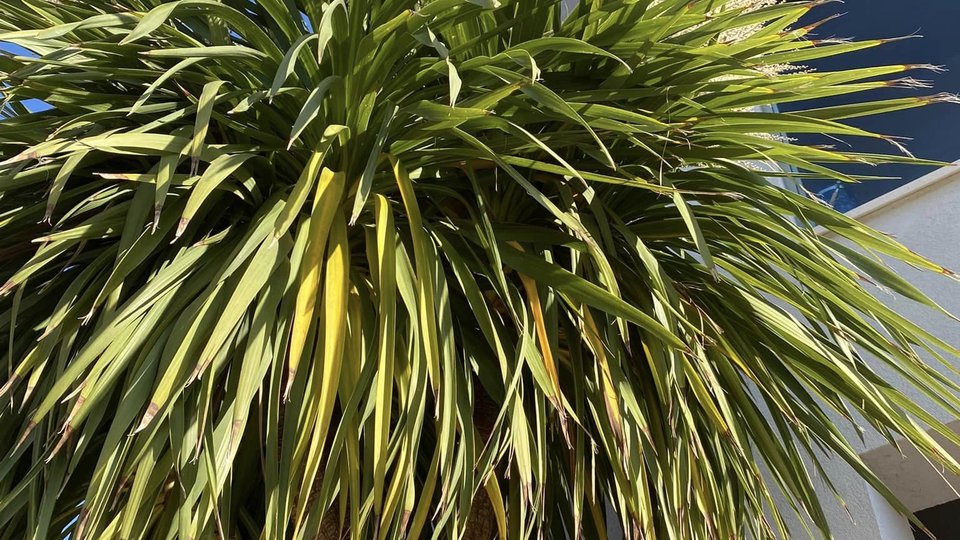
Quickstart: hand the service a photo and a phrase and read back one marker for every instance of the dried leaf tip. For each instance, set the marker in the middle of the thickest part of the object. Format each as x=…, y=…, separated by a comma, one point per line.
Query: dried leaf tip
x=181, y=227
x=148, y=416
x=67, y=433
x=14, y=379
x=7, y=287
x=26, y=434
x=291, y=376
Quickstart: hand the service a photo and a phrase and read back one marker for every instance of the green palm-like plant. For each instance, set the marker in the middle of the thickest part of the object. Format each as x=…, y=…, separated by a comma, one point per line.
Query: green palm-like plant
x=389, y=269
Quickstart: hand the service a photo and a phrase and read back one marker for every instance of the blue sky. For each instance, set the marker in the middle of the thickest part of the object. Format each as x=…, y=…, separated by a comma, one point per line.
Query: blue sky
x=12, y=48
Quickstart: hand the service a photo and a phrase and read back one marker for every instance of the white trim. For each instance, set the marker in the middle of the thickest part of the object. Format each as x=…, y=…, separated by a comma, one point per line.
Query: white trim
x=891, y=524
x=902, y=193
x=907, y=191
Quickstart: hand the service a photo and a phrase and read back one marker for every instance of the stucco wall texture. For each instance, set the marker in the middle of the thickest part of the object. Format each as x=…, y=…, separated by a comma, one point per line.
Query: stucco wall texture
x=925, y=216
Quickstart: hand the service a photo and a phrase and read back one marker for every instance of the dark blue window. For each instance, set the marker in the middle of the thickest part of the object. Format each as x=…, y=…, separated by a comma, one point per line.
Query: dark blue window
x=933, y=131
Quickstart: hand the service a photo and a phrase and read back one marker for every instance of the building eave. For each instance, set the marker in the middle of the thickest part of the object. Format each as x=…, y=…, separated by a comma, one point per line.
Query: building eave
x=902, y=194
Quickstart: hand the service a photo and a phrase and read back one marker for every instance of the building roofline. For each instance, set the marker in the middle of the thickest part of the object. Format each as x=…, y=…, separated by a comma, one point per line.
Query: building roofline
x=906, y=191
x=900, y=195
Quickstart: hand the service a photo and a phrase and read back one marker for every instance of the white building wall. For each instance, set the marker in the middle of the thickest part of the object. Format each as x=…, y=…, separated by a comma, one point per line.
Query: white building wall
x=890, y=524
x=925, y=216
